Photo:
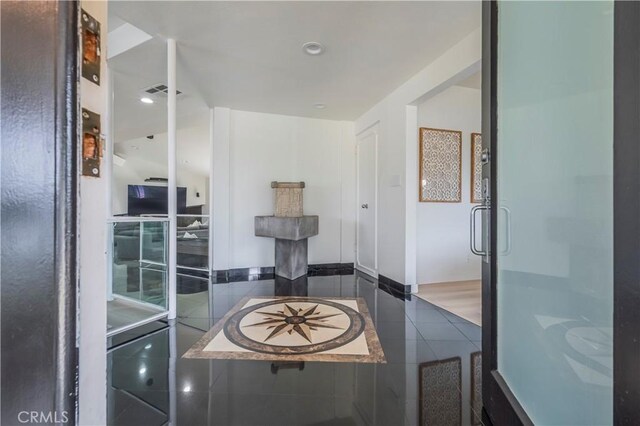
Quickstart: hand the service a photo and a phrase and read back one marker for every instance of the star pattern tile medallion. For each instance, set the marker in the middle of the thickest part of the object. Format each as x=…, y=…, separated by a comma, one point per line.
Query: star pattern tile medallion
x=293, y=329
x=289, y=320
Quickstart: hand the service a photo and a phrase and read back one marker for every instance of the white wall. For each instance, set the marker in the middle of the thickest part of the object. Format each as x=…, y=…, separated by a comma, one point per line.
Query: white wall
x=396, y=115
x=443, y=228
x=92, y=288
x=253, y=149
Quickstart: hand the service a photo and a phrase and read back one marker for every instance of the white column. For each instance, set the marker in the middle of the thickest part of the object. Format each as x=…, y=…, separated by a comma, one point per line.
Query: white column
x=411, y=200
x=171, y=172
x=211, y=191
x=108, y=175
x=221, y=188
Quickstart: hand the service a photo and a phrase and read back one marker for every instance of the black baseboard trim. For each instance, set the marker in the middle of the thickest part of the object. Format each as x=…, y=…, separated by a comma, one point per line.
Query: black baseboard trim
x=268, y=272
x=326, y=269
x=192, y=272
x=188, y=282
x=394, y=288
x=242, y=274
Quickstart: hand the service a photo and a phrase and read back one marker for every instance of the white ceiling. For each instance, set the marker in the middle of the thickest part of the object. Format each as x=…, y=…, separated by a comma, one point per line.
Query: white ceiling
x=248, y=55
x=192, y=150
x=473, y=82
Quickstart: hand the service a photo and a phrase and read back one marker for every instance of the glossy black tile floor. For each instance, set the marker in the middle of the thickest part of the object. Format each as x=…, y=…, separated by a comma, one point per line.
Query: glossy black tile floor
x=428, y=377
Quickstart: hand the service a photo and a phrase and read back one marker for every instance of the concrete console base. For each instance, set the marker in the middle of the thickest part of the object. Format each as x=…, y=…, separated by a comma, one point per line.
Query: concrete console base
x=291, y=258
x=286, y=228
x=291, y=235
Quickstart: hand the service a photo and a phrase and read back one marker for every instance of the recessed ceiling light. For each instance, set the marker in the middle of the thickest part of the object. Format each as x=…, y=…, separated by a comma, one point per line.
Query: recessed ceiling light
x=319, y=106
x=312, y=48
x=146, y=100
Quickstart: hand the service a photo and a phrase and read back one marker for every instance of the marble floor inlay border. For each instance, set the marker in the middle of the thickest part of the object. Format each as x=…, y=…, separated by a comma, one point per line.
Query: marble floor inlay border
x=329, y=329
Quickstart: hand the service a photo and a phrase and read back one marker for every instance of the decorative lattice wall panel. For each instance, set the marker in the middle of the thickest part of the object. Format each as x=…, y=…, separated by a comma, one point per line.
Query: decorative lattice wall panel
x=476, y=168
x=440, y=165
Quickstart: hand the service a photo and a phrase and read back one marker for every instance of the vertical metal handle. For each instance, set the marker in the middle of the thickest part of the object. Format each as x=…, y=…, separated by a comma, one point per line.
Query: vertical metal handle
x=507, y=215
x=472, y=239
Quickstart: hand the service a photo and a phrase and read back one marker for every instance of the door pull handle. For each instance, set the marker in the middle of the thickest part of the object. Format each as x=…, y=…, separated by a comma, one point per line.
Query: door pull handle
x=472, y=239
x=507, y=215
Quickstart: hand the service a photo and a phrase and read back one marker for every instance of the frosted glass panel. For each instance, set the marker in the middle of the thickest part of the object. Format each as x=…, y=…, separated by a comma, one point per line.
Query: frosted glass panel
x=555, y=222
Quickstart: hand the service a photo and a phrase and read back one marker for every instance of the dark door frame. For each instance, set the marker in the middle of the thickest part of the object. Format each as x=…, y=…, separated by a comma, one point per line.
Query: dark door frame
x=626, y=213
x=39, y=185
x=500, y=404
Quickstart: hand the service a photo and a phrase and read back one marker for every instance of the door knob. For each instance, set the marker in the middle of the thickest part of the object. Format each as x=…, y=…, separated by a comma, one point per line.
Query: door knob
x=365, y=206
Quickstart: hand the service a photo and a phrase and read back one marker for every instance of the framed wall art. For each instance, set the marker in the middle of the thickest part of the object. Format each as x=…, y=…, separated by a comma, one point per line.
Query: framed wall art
x=440, y=166
x=476, y=168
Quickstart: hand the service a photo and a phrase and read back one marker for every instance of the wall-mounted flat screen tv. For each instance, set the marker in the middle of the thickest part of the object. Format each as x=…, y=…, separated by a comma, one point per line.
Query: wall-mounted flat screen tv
x=148, y=199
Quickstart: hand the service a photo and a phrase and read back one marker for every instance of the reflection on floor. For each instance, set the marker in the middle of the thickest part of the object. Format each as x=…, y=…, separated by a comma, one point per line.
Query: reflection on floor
x=194, y=308
x=419, y=384
x=121, y=313
x=463, y=298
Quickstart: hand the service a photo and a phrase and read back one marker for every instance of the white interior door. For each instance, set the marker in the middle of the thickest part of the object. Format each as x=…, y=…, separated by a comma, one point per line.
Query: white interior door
x=366, y=239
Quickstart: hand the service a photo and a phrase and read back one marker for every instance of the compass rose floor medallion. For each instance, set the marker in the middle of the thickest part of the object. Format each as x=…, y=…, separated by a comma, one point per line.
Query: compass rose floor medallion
x=293, y=329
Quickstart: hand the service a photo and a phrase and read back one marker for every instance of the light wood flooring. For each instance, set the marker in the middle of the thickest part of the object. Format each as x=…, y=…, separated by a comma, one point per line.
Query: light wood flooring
x=463, y=298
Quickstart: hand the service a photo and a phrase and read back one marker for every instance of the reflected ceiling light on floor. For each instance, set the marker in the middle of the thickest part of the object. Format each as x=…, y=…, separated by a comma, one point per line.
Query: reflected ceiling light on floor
x=146, y=100
x=187, y=388
x=312, y=48
x=319, y=106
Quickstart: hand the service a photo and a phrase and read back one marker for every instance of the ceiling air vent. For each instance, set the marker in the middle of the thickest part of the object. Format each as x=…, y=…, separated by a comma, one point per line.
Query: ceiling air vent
x=156, y=179
x=160, y=89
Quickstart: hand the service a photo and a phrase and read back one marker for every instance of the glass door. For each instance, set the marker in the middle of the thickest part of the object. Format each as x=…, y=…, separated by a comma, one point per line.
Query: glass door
x=549, y=321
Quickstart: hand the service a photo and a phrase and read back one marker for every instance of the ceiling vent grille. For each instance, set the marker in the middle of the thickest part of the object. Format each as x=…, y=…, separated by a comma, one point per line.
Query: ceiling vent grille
x=156, y=179
x=160, y=89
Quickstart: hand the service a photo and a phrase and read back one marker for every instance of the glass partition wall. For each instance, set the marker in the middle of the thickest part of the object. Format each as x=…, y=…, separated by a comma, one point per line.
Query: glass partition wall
x=192, y=178
x=192, y=242
x=139, y=229
x=159, y=252
x=193, y=220
x=138, y=264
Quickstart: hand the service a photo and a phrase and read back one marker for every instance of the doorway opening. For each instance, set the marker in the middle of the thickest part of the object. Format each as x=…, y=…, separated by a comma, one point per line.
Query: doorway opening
x=447, y=272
